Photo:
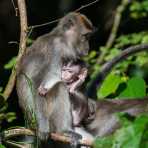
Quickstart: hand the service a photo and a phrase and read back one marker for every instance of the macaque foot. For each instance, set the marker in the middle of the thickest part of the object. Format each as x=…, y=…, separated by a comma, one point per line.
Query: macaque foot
x=42, y=91
x=75, y=137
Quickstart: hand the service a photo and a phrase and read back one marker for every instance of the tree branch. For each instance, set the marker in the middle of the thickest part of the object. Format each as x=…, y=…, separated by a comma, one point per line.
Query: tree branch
x=22, y=46
x=114, y=30
x=116, y=23
x=58, y=19
x=86, y=5
x=107, y=67
x=55, y=136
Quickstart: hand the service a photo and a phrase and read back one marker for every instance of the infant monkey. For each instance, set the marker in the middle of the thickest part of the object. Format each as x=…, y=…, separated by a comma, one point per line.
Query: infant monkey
x=74, y=75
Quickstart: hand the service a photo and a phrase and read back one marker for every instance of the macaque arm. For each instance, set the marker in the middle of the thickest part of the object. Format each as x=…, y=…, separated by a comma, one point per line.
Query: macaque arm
x=80, y=81
x=46, y=87
x=52, y=77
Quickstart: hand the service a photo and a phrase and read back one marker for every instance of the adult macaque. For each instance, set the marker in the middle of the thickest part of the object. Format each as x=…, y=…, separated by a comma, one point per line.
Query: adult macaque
x=40, y=89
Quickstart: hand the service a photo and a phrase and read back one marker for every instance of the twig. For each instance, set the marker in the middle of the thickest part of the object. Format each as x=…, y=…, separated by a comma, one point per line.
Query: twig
x=22, y=46
x=116, y=23
x=55, y=136
x=14, y=144
x=15, y=8
x=56, y=20
x=114, y=30
x=109, y=65
x=44, y=24
x=86, y=5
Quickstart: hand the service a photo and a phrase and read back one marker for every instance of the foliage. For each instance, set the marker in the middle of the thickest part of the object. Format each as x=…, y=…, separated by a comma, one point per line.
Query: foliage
x=2, y=146
x=10, y=63
x=109, y=86
x=128, y=79
x=131, y=135
x=139, y=9
x=124, y=72
x=131, y=39
x=136, y=87
x=4, y=115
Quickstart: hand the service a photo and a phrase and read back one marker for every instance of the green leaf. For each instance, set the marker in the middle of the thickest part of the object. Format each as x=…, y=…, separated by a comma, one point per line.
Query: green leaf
x=131, y=136
x=109, y=86
x=104, y=142
x=2, y=146
x=113, y=52
x=136, y=87
x=145, y=39
x=10, y=116
x=10, y=64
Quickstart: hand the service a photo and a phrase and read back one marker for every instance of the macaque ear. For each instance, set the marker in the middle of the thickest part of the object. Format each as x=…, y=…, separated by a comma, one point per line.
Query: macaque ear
x=87, y=26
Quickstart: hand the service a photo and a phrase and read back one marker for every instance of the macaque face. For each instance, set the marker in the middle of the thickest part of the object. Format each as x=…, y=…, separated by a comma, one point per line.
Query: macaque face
x=70, y=73
x=77, y=30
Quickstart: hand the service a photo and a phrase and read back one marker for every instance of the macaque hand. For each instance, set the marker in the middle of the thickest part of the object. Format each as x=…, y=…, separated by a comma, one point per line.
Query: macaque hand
x=83, y=75
x=42, y=90
x=76, y=84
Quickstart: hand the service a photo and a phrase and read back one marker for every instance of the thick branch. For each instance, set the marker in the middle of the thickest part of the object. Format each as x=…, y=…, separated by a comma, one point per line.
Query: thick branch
x=22, y=47
x=55, y=136
x=96, y=83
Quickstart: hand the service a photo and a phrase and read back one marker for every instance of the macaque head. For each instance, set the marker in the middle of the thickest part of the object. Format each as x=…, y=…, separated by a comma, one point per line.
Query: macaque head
x=73, y=72
x=70, y=73
x=77, y=30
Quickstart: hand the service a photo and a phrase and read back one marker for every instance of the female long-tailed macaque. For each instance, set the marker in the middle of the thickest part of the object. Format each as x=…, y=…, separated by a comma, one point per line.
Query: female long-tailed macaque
x=42, y=94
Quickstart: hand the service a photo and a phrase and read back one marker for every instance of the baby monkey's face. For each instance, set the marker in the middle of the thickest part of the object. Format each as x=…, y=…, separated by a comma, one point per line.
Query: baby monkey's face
x=70, y=73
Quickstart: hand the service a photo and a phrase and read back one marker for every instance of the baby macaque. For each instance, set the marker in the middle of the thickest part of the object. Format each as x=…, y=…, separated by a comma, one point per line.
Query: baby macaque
x=74, y=74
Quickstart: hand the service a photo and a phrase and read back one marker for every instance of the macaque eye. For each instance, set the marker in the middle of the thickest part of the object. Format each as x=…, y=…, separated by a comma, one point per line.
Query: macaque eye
x=85, y=37
x=88, y=35
x=71, y=72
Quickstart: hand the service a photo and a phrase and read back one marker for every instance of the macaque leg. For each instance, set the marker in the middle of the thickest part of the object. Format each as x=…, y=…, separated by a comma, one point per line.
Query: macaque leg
x=42, y=118
x=63, y=114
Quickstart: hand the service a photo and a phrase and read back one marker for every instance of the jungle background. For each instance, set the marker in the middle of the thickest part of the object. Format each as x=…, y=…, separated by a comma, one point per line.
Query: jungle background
x=120, y=24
